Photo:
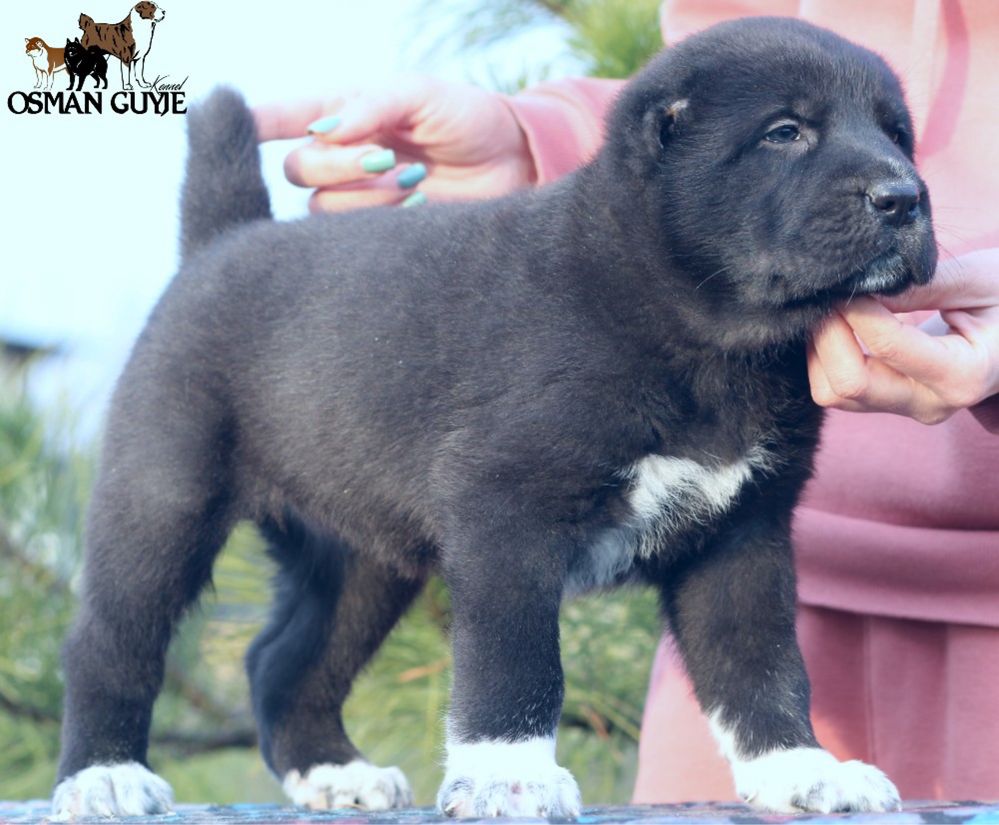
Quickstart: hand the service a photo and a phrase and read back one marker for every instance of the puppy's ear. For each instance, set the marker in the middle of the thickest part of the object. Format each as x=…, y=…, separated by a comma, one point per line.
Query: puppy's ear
x=661, y=122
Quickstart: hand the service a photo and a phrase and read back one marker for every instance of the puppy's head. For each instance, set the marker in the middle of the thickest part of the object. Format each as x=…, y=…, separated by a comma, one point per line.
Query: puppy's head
x=775, y=161
x=32, y=46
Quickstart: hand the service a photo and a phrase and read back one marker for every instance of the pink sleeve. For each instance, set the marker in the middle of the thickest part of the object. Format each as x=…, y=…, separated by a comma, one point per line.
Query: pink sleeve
x=563, y=122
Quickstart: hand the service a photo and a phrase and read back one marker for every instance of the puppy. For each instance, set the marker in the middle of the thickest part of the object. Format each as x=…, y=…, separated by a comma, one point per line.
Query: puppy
x=129, y=41
x=596, y=382
x=45, y=60
x=81, y=63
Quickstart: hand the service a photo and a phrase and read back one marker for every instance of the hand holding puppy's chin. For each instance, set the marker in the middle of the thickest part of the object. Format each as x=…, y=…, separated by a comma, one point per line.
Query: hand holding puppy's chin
x=865, y=359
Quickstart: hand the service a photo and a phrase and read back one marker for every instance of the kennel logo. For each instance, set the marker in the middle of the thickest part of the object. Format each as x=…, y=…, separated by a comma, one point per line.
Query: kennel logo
x=91, y=53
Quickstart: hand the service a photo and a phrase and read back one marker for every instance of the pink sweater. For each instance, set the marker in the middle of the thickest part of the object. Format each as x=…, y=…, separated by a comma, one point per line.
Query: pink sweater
x=901, y=519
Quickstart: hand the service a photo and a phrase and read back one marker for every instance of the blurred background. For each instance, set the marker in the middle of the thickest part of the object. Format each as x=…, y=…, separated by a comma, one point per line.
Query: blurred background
x=89, y=241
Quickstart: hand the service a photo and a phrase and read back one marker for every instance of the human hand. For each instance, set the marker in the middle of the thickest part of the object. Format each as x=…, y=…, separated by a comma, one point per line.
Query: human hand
x=466, y=138
x=865, y=359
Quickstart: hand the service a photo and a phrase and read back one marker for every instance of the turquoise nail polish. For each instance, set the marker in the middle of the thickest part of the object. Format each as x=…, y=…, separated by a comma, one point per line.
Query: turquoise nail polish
x=323, y=125
x=380, y=161
x=416, y=199
x=411, y=175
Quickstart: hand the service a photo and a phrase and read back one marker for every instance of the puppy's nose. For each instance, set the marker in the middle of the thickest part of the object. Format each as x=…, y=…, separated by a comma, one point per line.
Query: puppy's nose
x=896, y=202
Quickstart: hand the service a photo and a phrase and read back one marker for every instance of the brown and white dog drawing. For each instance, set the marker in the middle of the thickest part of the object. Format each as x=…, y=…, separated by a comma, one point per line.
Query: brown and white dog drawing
x=129, y=41
x=46, y=59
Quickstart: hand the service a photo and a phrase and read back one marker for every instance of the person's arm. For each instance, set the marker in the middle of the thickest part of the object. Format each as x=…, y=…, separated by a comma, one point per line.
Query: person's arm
x=452, y=141
x=929, y=372
x=563, y=122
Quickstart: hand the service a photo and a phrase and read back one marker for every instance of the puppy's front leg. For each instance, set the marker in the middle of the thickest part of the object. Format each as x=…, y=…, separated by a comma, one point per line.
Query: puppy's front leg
x=732, y=612
x=506, y=587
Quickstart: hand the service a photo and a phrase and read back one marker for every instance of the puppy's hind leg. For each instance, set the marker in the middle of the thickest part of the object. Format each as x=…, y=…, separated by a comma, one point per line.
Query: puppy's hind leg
x=333, y=608
x=159, y=514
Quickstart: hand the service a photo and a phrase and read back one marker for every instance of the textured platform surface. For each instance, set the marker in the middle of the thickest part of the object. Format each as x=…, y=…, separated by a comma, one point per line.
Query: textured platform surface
x=943, y=813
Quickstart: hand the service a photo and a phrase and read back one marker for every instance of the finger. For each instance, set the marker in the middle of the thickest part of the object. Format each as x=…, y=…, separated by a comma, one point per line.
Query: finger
x=374, y=117
x=880, y=389
x=959, y=283
x=822, y=392
x=839, y=358
x=855, y=381
x=904, y=347
x=315, y=165
x=979, y=376
x=359, y=196
x=890, y=391
x=283, y=120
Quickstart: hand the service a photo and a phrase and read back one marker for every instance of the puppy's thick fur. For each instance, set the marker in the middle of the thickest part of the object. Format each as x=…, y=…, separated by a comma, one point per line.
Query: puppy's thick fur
x=596, y=382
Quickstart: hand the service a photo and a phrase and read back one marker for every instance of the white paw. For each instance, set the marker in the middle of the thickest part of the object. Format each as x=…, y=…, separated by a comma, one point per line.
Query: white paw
x=357, y=784
x=812, y=779
x=507, y=779
x=127, y=789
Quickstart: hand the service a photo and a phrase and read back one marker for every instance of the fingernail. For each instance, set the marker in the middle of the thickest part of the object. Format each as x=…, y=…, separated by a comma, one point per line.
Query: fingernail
x=416, y=199
x=323, y=125
x=411, y=175
x=379, y=161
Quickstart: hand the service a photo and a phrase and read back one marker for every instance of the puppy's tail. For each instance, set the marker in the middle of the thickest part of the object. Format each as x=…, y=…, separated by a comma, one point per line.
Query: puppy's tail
x=223, y=187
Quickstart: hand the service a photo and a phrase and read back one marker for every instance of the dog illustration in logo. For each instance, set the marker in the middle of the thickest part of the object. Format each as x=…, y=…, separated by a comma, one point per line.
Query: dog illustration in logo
x=46, y=60
x=81, y=63
x=129, y=41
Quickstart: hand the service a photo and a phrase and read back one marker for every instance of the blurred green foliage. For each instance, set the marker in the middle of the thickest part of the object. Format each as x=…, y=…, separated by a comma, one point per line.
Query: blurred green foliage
x=203, y=736
x=609, y=38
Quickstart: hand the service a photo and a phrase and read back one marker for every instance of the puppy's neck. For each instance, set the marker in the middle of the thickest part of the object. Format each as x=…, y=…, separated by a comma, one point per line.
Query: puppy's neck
x=614, y=228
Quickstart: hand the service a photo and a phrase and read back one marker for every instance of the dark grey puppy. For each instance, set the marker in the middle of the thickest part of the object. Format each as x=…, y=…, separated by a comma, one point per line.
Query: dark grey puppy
x=597, y=382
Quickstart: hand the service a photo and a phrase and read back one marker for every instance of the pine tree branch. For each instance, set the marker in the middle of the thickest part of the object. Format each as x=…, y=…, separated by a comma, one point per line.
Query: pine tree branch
x=183, y=742
x=29, y=712
x=9, y=551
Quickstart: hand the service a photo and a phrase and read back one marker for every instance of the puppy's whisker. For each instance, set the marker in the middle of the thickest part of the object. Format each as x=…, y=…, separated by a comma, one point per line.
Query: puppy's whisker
x=948, y=254
x=853, y=293
x=712, y=275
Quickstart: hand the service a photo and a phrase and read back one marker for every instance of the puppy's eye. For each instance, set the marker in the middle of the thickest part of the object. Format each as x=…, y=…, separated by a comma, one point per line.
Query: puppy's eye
x=898, y=136
x=788, y=133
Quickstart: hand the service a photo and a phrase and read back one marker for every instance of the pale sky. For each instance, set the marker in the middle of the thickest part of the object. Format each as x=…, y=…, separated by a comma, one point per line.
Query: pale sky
x=90, y=202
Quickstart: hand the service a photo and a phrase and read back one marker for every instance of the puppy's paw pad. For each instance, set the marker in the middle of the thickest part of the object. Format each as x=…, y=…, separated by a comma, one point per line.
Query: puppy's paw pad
x=554, y=794
x=126, y=789
x=811, y=779
x=357, y=784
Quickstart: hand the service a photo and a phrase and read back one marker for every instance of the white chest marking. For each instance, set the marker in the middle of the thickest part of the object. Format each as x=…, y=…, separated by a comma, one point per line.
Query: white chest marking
x=666, y=496
x=669, y=493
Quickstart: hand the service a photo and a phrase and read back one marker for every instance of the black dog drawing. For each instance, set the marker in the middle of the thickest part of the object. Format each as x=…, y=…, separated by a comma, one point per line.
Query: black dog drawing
x=82, y=63
x=597, y=382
